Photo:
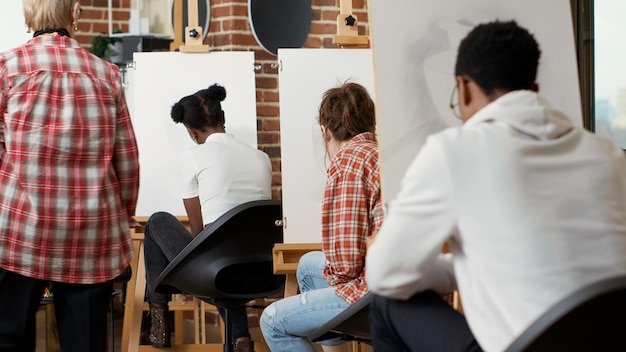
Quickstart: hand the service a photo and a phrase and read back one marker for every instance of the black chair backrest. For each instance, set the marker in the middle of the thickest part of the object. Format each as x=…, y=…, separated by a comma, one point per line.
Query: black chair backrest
x=231, y=260
x=592, y=319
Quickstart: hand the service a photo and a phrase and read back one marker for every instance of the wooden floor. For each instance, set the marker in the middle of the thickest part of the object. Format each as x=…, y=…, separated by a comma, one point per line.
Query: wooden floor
x=213, y=330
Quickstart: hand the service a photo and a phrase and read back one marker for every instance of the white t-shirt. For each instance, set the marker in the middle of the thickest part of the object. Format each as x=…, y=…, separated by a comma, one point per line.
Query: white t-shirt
x=533, y=209
x=224, y=173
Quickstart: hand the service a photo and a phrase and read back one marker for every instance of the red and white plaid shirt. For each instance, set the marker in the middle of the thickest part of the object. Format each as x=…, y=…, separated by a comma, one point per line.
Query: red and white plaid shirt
x=351, y=212
x=69, y=169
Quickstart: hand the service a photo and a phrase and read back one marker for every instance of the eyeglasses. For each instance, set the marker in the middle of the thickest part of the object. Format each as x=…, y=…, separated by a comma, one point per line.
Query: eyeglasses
x=454, y=102
x=80, y=10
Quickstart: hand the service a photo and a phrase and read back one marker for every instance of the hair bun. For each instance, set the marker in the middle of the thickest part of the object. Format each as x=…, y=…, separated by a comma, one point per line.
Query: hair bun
x=178, y=113
x=216, y=92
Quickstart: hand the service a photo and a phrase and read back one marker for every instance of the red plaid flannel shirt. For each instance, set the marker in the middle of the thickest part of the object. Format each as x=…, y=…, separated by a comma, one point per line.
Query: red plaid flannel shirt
x=351, y=212
x=69, y=170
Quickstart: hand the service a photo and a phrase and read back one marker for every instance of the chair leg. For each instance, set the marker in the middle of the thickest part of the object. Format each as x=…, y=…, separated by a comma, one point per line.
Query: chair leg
x=228, y=333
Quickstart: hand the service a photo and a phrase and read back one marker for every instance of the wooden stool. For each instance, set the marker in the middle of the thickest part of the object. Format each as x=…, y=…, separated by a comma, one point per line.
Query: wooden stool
x=135, y=305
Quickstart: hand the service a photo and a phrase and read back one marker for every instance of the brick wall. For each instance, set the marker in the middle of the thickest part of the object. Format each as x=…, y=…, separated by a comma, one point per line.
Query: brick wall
x=230, y=31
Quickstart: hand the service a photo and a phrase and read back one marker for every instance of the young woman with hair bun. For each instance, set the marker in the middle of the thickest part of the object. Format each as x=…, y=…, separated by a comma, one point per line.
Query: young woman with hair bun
x=217, y=174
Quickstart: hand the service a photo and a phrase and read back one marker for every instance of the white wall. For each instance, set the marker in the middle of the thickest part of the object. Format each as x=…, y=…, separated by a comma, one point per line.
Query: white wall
x=12, y=25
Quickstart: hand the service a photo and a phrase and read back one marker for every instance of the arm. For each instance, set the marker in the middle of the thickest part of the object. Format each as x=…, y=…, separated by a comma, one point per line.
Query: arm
x=194, y=213
x=406, y=256
x=3, y=103
x=346, y=225
x=125, y=155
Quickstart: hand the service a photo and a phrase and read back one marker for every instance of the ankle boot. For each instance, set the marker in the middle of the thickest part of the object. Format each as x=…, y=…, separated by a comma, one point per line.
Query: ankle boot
x=243, y=345
x=160, y=328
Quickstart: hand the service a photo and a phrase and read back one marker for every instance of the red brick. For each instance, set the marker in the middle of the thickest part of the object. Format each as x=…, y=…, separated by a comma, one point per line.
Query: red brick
x=277, y=193
x=220, y=11
x=276, y=164
x=330, y=15
x=358, y=4
x=100, y=27
x=221, y=39
x=105, y=3
x=272, y=151
x=271, y=125
x=235, y=25
x=277, y=180
x=267, y=110
x=323, y=28
x=316, y=14
x=121, y=15
x=260, y=54
x=313, y=42
x=270, y=96
x=243, y=39
x=325, y=3
x=268, y=137
x=328, y=43
x=93, y=14
x=267, y=82
x=362, y=16
x=267, y=67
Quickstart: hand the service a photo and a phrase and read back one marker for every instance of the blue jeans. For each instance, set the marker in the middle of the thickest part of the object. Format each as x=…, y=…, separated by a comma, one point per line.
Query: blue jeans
x=287, y=323
x=164, y=238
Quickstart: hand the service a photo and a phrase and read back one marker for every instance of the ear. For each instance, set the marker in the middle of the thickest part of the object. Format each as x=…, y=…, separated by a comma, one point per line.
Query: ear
x=465, y=94
x=326, y=134
x=75, y=14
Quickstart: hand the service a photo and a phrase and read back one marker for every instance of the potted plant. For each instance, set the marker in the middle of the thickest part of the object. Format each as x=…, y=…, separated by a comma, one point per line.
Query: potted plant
x=106, y=47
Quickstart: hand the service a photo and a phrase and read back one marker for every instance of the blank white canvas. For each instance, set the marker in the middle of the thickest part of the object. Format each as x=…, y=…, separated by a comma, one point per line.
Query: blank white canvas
x=304, y=76
x=415, y=43
x=157, y=81
x=12, y=25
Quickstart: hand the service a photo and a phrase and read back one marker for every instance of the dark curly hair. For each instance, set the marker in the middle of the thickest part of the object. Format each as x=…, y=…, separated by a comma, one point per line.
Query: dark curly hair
x=201, y=109
x=499, y=55
x=347, y=111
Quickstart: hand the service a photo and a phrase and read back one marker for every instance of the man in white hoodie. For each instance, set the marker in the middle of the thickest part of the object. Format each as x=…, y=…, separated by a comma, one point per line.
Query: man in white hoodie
x=533, y=209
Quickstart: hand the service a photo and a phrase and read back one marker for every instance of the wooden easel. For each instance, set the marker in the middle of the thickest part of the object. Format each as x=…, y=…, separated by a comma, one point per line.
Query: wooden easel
x=347, y=27
x=193, y=32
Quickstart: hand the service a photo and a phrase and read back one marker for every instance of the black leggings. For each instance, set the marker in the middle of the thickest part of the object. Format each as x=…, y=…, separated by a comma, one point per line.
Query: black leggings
x=80, y=311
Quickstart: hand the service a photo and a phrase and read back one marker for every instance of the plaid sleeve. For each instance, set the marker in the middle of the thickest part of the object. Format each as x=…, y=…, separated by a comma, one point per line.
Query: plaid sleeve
x=126, y=156
x=348, y=224
x=3, y=103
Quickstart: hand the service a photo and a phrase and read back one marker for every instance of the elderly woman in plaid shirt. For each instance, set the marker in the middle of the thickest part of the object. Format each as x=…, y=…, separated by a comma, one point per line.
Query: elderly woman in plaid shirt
x=69, y=176
x=333, y=279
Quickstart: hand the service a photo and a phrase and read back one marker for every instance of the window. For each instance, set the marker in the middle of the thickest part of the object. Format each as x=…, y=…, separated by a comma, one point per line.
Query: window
x=610, y=69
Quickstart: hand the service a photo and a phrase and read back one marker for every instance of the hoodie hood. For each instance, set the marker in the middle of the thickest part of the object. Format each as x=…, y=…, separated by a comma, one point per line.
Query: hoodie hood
x=526, y=112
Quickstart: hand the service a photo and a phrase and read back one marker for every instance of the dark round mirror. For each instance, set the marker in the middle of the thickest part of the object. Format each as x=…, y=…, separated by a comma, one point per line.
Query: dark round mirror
x=280, y=23
x=204, y=16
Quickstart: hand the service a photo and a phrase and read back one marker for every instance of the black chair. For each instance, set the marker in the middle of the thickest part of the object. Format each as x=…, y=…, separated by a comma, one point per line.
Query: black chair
x=351, y=325
x=230, y=262
x=591, y=319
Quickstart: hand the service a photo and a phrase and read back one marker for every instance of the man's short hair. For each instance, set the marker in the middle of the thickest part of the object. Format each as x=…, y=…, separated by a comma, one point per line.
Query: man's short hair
x=499, y=55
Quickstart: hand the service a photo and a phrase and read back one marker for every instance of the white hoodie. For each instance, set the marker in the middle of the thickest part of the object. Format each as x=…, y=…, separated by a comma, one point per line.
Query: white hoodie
x=533, y=209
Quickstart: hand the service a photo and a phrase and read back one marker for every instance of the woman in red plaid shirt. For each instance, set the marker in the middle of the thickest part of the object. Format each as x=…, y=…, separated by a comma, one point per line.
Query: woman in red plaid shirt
x=351, y=212
x=69, y=176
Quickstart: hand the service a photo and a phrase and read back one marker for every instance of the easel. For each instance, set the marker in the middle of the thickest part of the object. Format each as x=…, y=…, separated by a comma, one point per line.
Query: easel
x=347, y=27
x=193, y=32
